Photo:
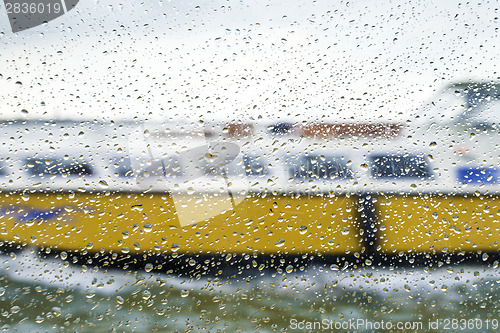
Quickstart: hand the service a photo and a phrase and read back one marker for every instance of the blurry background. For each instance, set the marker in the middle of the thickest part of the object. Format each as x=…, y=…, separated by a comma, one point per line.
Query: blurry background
x=207, y=59
x=242, y=60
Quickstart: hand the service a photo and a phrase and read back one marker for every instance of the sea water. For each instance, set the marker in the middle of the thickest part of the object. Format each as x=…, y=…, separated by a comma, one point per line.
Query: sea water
x=51, y=295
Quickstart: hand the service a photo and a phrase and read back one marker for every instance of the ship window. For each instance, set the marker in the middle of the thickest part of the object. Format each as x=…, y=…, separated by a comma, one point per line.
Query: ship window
x=319, y=167
x=122, y=166
x=281, y=128
x=57, y=167
x=479, y=175
x=255, y=166
x=400, y=166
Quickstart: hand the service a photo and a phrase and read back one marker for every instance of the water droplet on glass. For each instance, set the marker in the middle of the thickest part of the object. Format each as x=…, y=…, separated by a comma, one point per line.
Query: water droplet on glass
x=280, y=243
x=146, y=294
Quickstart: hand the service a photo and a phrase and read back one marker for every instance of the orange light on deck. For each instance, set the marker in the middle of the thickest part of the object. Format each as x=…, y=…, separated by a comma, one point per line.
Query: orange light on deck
x=347, y=130
x=461, y=151
x=240, y=129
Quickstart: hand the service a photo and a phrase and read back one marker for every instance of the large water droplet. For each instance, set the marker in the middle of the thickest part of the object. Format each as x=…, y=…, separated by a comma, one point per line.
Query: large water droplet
x=302, y=230
x=280, y=243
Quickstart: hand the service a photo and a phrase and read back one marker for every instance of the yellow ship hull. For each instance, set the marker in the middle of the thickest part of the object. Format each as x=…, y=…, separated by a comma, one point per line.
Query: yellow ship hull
x=439, y=223
x=147, y=223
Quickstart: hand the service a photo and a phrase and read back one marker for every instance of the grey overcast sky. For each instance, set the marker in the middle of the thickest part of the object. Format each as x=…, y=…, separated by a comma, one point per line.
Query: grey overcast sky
x=242, y=60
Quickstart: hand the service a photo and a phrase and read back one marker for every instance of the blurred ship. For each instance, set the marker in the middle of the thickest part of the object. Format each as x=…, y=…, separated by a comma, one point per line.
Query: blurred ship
x=250, y=189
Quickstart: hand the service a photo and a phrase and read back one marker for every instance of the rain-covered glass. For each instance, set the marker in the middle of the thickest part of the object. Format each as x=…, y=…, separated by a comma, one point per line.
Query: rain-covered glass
x=249, y=166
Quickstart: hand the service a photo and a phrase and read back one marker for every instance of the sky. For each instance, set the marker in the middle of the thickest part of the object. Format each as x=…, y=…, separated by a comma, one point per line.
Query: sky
x=245, y=60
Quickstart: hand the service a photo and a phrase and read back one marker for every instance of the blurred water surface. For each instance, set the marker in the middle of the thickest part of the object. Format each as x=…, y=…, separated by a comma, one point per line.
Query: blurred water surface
x=47, y=295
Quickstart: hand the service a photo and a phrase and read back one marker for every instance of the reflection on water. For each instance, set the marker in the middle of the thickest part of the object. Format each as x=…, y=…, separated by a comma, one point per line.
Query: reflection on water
x=51, y=295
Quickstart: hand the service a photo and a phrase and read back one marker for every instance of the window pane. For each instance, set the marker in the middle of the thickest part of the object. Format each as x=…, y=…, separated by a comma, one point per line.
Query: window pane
x=255, y=166
x=58, y=167
x=122, y=167
x=400, y=166
x=319, y=167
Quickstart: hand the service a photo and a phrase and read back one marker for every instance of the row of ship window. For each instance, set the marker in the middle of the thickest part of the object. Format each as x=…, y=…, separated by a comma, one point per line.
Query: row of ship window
x=318, y=167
